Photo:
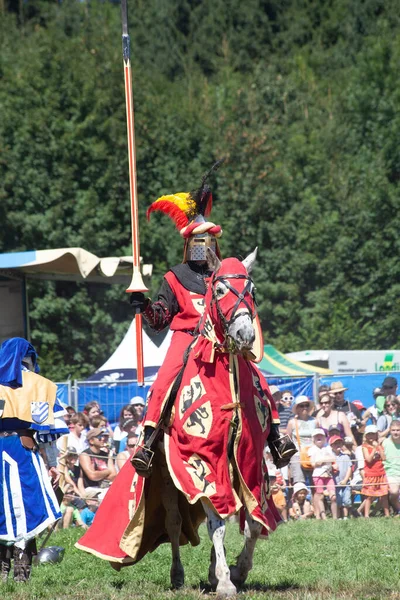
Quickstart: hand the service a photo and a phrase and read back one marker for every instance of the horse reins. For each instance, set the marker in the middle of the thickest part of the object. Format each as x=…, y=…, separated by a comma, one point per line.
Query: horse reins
x=240, y=298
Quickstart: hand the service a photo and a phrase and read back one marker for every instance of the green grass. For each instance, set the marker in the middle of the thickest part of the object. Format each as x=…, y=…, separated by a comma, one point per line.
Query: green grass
x=354, y=559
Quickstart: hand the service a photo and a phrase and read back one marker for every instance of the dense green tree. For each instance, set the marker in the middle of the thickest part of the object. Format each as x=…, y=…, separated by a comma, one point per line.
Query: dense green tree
x=302, y=99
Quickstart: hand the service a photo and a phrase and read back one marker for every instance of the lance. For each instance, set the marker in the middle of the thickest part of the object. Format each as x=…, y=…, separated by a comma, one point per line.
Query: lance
x=136, y=284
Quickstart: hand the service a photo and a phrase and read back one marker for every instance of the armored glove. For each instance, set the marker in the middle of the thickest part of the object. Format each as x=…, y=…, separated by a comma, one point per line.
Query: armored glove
x=138, y=302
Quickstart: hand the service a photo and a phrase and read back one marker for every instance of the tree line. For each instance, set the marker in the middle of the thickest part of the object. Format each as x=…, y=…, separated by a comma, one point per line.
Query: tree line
x=302, y=99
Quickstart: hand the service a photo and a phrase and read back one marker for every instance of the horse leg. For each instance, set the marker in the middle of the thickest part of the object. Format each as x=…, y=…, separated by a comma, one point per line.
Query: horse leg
x=244, y=562
x=173, y=524
x=219, y=571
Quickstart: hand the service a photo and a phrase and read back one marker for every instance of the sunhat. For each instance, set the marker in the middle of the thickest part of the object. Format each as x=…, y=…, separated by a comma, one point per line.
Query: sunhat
x=337, y=386
x=371, y=429
x=298, y=487
x=302, y=400
x=335, y=438
x=318, y=431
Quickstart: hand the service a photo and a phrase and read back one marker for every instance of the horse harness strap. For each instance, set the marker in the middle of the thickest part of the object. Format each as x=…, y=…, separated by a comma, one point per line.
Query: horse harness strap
x=240, y=297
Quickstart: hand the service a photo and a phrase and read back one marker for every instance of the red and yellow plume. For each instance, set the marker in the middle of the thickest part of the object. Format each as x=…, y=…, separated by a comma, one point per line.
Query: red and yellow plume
x=185, y=207
x=181, y=207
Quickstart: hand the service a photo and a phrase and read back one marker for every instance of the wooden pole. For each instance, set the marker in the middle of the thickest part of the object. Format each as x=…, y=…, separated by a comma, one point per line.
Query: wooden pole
x=136, y=284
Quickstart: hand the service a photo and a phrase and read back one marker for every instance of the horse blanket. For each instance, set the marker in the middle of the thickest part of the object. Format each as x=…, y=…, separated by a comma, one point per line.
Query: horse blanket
x=213, y=450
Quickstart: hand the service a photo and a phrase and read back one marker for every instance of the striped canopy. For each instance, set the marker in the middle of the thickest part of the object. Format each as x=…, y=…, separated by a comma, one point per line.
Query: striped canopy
x=276, y=363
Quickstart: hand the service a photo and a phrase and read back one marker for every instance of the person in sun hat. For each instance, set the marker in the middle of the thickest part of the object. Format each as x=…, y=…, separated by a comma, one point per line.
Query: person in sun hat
x=300, y=428
x=322, y=460
x=301, y=507
x=353, y=414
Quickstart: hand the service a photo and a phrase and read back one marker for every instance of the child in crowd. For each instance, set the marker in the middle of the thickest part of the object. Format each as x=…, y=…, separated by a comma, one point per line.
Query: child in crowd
x=92, y=501
x=301, y=507
x=341, y=476
x=277, y=486
x=322, y=460
x=69, y=512
x=375, y=484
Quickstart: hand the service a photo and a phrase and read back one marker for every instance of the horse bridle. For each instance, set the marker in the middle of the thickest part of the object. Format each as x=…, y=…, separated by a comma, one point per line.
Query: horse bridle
x=240, y=298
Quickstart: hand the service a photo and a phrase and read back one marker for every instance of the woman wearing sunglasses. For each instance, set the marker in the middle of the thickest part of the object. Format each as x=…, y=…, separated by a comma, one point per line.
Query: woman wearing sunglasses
x=327, y=417
x=391, y=412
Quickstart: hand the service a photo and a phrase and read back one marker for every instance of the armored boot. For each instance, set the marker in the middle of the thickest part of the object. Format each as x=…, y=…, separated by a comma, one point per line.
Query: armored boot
x=143, y=457
x=23, y=561
x=5, y=561
x=281, y=446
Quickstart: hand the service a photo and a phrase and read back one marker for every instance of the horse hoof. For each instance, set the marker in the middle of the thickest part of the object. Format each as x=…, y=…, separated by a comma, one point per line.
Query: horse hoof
x=212, y=578
x=226, y=589
x=177, y=578
x=238, y=578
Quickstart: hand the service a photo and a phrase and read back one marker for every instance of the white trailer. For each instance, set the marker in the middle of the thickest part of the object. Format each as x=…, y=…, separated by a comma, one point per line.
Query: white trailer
x=351, y=362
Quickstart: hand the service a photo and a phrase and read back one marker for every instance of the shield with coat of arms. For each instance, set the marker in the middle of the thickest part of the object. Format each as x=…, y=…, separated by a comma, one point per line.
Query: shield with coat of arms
x=40, y=411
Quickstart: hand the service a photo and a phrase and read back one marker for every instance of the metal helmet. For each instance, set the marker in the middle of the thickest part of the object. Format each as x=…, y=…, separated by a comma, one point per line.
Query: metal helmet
x=51, y=555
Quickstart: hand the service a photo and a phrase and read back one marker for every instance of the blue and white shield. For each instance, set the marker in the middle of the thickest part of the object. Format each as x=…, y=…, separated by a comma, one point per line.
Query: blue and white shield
x=40, y=411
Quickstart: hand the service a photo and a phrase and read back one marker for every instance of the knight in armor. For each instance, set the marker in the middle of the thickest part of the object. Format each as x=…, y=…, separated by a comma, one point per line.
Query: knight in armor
x=179, y=305
x=28, y=504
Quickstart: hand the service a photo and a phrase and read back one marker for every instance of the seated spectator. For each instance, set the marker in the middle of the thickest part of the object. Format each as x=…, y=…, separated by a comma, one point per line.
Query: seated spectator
x=92, y=500
x=97, y=462
x=127, y=412
x=341, y=476
x=301, y=507
x=122, y=457
x=76, y=438
x=277, y=487
x=129, y=426
x=70, y=514
x=322, y=459
x=375, y=483
x=391, y=447
x=138, y=405
x=391, y=411
x=300, y=428
x=69, y=469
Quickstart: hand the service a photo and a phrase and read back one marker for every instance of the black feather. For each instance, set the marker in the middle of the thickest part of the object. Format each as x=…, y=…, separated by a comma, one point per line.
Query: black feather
x=202, y=195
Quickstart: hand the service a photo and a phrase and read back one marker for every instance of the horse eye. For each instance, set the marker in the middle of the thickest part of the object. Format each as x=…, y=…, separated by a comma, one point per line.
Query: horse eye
x=220, y=290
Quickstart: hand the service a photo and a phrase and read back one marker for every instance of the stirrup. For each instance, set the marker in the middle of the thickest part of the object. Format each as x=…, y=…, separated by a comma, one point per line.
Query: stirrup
x=143, y=461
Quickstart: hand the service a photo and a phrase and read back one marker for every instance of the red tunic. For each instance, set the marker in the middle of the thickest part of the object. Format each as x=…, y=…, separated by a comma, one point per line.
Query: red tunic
x=191, y=307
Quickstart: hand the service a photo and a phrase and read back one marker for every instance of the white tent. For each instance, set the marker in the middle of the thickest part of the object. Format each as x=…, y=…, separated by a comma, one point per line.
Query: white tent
x=122, y=364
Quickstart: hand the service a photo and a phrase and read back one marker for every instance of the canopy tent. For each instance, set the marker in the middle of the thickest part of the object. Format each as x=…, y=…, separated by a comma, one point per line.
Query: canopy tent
x=278, y=364
x=122, y=364
x=71, y=264
x=61, y=264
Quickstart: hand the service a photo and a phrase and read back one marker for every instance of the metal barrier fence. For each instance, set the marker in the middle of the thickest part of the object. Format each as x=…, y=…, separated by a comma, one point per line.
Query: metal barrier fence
x=113, y=396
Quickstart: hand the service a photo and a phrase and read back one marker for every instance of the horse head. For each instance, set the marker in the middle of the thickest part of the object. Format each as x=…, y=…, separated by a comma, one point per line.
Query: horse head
x=230, y=302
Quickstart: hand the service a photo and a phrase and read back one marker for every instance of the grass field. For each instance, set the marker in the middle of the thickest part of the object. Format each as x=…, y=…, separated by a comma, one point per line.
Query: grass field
x=354, y=559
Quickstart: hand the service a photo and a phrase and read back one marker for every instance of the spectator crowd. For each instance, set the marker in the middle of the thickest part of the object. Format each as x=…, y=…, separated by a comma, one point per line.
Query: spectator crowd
x=348, y=457
x=347, y=463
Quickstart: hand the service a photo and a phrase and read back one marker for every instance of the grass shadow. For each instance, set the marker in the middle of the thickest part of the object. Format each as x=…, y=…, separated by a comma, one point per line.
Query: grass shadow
x=282, y=586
